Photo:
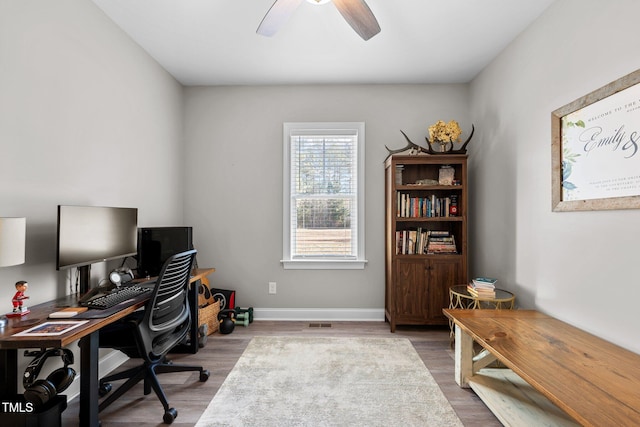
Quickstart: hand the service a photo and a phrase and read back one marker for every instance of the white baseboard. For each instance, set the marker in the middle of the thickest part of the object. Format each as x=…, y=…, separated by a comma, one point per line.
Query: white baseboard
x=320, y=314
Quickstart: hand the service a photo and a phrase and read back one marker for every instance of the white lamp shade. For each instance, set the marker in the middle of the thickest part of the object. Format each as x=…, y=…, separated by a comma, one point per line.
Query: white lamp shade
x=12, y=241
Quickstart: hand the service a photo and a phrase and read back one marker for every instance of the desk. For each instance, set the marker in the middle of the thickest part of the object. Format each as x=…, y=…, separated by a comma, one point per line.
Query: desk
x=591, y=380
x=88, y=336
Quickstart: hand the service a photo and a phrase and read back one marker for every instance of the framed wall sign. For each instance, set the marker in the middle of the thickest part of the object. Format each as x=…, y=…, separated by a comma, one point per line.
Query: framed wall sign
x=596, y=149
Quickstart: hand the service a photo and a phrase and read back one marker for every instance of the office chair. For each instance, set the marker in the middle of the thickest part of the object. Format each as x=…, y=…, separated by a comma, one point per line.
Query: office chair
x=151, y=333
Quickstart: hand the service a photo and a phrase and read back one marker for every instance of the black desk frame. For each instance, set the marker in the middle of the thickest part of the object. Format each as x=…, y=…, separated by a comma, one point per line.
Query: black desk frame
x=88, y=339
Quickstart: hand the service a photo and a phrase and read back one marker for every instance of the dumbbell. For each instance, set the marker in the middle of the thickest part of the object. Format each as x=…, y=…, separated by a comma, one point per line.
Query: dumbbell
x=242, y=319
x=203, y=332
x=245, y=315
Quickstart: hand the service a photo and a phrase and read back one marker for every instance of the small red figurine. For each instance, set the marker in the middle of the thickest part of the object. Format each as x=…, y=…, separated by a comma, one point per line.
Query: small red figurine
x=18, y=308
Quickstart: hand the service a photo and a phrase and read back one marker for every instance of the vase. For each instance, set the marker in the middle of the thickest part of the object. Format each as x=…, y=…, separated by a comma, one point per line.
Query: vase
x=444, y=146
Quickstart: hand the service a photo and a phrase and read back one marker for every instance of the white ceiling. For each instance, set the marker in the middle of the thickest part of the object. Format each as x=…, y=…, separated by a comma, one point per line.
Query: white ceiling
x=214, y=42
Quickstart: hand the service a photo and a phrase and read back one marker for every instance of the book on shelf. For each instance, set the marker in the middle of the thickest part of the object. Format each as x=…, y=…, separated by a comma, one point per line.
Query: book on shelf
x=439, y=233
x=399, y=169
x=420, y=242
x=453, y=206
x=431, y=206
x=441, y=242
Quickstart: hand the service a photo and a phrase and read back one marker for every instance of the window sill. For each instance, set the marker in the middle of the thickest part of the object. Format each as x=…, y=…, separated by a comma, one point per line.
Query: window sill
x=321, y=264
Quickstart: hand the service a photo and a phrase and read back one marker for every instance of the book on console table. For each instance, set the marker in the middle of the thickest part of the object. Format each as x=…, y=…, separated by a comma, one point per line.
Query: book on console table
x=481, y=292
x=484, y=282
x=484, y=287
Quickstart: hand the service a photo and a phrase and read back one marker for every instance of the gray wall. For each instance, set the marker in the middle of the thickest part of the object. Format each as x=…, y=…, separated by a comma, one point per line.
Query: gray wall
x=86, y=117
x=234, y=179
x=577, y=266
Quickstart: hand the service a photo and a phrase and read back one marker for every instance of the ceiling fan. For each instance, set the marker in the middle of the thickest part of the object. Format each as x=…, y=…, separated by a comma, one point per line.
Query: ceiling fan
x=355, y=12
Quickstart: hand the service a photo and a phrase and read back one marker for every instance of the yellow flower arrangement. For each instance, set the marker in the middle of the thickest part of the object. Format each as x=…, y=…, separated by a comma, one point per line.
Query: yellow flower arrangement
x=443, y=133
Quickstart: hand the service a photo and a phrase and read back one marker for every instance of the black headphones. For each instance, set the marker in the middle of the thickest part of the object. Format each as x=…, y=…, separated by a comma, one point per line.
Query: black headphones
x=41, y=391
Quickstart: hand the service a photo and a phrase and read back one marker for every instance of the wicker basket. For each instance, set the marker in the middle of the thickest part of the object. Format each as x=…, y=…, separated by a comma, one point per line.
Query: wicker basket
x=208, y=310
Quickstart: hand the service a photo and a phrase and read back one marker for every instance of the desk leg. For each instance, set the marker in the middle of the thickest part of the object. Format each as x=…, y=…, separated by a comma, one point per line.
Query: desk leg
x=8, y=373
x=193, y=337
x=194, y=290
x=89, y=380
x=463, y=357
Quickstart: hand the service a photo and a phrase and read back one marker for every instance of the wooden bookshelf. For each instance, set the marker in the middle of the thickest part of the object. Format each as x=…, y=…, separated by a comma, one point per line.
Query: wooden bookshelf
x=418, y=209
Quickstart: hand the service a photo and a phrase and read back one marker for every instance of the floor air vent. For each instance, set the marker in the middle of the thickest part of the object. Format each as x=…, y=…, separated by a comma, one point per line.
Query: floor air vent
x=319, y=325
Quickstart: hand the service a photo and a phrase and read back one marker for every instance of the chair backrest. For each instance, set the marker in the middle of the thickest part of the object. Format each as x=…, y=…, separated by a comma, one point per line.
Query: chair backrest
x=167, y=316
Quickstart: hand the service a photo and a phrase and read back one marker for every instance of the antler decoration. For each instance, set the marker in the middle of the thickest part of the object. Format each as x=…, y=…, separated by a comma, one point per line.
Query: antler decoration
x=410, y=146
x=419, y=149
x=463, y=149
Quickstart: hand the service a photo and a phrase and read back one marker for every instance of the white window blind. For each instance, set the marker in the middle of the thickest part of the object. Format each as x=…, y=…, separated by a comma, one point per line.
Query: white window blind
x=324, y=192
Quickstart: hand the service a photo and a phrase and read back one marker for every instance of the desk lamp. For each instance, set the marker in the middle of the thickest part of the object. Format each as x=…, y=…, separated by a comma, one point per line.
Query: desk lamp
x=12, y=244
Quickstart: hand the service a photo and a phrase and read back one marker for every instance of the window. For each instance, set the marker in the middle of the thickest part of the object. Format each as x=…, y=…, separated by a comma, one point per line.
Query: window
x=323, y=196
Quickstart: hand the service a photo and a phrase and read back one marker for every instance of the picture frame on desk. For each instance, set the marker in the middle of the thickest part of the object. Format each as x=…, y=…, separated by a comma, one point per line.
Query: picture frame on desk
x=53, y=328
x=596, y=149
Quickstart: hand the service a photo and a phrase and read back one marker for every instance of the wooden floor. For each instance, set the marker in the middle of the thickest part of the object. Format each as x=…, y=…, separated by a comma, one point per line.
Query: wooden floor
x=190, y=397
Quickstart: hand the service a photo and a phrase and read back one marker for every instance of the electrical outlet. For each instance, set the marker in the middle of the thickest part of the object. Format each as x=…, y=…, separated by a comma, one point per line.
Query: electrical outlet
x=272, y=287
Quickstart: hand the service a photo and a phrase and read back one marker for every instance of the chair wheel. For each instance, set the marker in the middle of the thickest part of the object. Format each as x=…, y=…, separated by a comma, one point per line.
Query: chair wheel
x=204, y=375
x=104, y=389
x=169, y=415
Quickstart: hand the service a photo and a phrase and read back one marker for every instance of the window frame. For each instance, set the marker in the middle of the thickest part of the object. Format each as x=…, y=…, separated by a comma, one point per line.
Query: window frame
x=322, y=263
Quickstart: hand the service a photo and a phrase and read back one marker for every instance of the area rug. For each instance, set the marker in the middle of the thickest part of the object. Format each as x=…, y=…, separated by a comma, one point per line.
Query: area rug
x=317, y=381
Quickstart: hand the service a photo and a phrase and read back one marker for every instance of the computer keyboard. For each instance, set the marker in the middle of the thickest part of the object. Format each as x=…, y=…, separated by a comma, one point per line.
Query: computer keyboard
x=115, y=297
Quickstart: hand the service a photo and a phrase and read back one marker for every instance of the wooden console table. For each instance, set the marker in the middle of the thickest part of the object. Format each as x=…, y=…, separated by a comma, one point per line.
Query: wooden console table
x=459, y=297
x=591, y=382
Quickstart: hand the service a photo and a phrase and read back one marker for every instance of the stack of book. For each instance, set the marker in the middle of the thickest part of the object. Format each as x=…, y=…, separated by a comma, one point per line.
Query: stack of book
x=482, y=287
x=441, y=242
x=420, y=242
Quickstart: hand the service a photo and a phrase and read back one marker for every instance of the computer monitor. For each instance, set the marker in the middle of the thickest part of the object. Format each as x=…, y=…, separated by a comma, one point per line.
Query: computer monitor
x=90, y=234
x=157, y=244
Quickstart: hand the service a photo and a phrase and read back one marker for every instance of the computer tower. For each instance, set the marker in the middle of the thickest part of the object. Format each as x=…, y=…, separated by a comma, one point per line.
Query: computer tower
x=157, y=244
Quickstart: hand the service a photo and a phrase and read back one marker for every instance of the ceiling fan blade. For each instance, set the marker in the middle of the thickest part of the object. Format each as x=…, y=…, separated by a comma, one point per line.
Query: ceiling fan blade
x=277, y=15
x=359, y=16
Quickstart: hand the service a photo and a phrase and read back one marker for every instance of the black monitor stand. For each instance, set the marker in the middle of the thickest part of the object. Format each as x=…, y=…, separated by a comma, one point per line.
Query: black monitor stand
x=84, y=274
